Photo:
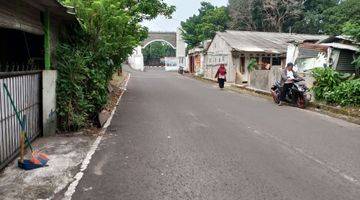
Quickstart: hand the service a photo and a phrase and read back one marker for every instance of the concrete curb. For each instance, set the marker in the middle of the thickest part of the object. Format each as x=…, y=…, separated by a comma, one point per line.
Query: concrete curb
x=71, y=189
x=341, y=113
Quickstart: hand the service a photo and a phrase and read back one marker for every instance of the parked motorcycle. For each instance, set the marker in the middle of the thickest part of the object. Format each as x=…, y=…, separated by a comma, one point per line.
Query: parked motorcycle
x=297, y=95
x=181, y=70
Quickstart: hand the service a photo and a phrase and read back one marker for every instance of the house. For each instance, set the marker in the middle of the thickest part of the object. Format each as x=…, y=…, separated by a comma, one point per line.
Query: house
x=196, y=58
x=235, y=49
x=29, y=33
x=338, y=52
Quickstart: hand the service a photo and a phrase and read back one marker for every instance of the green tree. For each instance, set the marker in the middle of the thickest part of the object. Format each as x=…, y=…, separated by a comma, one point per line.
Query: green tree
x=264, y=15
x=204, y=26
x=241, y=15
x=311, y=20
x=336, y=17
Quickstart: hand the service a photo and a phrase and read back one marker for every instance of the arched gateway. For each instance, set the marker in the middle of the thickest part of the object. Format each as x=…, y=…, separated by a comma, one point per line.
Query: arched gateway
x=136, y=60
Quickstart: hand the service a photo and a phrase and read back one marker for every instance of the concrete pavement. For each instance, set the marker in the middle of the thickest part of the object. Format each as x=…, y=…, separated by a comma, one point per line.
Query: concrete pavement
x=178, y=138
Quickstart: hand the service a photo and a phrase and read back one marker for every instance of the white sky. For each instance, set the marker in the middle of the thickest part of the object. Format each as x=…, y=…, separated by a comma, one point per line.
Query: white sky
x=184, y=10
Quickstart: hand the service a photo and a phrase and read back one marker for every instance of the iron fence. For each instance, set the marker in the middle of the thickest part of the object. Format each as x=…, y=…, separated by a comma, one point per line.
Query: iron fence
x=25, y=89
x=15, y=67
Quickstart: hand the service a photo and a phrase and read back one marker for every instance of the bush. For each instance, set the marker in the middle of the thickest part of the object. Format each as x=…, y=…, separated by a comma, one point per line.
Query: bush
x=81, y=87
x=253, y=65
x=346, y=94
x=326, y=79
x=336, y=88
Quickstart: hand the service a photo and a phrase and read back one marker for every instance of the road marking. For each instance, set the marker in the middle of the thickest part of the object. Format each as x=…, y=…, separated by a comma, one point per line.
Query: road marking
x=308, y=156
x=72, y=187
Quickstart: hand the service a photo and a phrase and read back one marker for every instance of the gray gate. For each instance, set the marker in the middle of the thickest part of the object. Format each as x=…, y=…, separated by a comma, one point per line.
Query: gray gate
x=25, y=88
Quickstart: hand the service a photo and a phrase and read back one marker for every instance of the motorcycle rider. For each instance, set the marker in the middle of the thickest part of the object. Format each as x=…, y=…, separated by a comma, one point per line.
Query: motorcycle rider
x=287, y=80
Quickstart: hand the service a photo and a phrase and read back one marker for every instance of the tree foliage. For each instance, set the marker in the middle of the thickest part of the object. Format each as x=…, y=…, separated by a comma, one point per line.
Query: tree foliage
x=336, y=17
x=109, y=31
x=264, y=15
x=300, y=16
x=204, y=25
x=312, y=17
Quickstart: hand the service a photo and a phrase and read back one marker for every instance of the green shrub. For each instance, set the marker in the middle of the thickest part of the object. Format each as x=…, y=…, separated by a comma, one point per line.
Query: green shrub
x=336, y=88
x=81, y=88
x=326, y=79
x=346, y=94
x=252, y=65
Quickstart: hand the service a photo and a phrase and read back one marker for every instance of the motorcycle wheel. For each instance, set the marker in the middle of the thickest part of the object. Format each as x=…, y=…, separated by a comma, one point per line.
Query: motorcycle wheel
x=301, y=102
x=275, y=96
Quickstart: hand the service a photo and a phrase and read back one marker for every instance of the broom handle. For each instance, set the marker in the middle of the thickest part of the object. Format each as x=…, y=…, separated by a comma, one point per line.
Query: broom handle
x=13, y=105
x=22, y=122
x=25, y=134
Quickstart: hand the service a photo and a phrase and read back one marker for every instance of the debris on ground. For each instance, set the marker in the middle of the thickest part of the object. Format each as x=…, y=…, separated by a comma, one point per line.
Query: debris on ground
x=66, y=155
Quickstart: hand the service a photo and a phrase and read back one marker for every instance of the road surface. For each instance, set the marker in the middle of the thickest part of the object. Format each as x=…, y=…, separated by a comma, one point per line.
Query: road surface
x=174, y=137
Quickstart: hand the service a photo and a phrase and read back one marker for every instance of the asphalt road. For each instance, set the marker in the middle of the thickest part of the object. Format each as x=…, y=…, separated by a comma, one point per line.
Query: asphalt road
x=174, y=137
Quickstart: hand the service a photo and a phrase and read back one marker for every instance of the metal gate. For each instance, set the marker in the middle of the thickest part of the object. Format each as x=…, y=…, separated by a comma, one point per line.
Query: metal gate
x=25, y=89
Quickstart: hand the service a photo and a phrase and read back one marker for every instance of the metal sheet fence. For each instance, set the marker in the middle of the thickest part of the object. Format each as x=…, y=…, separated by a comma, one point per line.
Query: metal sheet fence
x=25, y=90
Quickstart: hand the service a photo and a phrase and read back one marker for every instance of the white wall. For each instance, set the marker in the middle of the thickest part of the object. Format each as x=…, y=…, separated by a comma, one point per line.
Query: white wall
x=305, y=64
x=49, y=101
x=136, y=60
x=292, y=53
x=180, y=49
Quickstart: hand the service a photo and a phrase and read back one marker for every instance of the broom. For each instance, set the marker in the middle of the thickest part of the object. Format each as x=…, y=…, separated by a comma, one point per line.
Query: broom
x=37, y=157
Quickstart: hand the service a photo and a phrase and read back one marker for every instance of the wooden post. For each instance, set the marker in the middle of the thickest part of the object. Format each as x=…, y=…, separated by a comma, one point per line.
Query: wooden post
x=47, y=42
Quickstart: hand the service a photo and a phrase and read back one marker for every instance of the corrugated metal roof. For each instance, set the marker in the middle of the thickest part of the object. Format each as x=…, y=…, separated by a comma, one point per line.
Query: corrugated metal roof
x=268, y=42
x=341, y=46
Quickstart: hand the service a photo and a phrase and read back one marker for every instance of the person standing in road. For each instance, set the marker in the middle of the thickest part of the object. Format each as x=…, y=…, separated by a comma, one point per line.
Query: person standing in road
x=221, y=76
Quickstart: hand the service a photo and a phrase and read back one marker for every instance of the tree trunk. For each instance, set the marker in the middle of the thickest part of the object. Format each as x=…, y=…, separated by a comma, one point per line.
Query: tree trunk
x=280, y=27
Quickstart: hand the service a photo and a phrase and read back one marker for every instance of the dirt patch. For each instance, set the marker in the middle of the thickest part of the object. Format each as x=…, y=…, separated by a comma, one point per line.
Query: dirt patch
x=116, y=83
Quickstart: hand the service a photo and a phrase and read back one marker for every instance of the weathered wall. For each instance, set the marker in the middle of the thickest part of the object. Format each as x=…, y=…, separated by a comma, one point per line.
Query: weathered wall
x=20, y=16
x=259, y=79
x=49, y=101
x=219, y=52
x=180, y=49
x=292, y=53
x=264, y=79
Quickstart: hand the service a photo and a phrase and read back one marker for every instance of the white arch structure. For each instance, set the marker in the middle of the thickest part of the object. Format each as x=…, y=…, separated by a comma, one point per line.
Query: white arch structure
x=158, y=40
x=136, y=60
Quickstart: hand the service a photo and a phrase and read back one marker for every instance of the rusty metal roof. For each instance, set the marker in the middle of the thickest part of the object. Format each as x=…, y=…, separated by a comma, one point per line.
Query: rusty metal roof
x=267, y=42
x=342, y=46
